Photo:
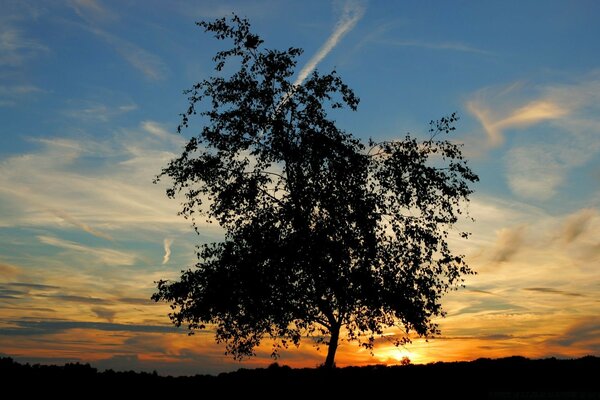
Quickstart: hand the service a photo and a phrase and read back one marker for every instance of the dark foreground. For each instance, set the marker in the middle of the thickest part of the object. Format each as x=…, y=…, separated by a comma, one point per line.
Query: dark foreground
x=507, y=378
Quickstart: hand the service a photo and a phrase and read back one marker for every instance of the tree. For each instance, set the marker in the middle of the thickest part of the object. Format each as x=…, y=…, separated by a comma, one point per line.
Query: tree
x=324, y=236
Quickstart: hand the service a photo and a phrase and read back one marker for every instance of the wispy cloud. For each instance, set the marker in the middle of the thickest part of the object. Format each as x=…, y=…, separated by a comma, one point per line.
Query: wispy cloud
x=352, y=12
x=105, y=313
x=508, y=243
x=8, y=271
x=584, y=334
x=149, y=64
x=167, y=246
x=35, y=286
x=85, y=227
x=100, y=186
x=219, y=8
x=576, y=224
x=546, y=290
x=159, y=131
x=450, y=46
x=96, y=17
x=569, y=114
x=19, y=90
x=92, y=10
x=48, y=327
x=15, y=48
x=76, y=299
x=534, y=172
x=94, y=111
x=103, y=255
x=526, y=115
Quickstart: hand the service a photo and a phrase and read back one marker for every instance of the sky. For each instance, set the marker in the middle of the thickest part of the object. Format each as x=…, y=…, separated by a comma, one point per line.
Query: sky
x=90, y=92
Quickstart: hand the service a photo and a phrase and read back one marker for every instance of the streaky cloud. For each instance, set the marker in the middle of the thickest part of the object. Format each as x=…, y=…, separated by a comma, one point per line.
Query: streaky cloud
x=92, y=10
x=36, y=286
x=508, y=243
x=584, y=333
x=8, y=271
x=83, y=226
x=576, y=224
x=104, y=313
x=547, y=290
x=27, y=327
x=15, y=49
x=451, y=46
x=93, y=14
x=352, y=12
x=149, y=64
x=77, y=299
x=94, y=111
x=103, y=255
x=54, y=176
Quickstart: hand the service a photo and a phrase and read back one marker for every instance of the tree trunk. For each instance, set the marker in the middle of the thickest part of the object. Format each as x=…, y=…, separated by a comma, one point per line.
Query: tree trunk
x=332, y=348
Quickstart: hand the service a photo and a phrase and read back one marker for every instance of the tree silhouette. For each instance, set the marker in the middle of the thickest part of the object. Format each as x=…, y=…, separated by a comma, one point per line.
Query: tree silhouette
x=323, y=235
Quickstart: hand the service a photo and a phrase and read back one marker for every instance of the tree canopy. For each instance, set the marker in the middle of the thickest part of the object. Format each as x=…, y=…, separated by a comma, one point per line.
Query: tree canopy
x=324, y=235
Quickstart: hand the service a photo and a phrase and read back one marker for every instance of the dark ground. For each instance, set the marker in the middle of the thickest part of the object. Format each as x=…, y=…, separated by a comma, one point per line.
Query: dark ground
x=506, y=378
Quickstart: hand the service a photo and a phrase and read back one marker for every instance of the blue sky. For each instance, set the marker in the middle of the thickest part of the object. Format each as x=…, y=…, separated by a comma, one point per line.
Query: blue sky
x=90, y=93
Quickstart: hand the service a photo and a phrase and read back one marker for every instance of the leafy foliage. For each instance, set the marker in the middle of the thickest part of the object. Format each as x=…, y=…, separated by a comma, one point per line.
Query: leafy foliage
x=321, y=232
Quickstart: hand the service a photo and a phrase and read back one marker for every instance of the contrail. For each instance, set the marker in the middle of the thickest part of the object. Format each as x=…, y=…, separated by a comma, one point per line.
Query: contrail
x=167, y=244
x=75, y=222
x=351, y=14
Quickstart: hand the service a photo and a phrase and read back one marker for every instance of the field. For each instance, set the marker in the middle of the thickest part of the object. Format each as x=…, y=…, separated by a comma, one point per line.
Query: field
x=507, y=378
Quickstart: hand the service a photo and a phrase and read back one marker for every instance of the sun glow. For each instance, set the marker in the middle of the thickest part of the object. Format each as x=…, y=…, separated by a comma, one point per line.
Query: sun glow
x=397, y=355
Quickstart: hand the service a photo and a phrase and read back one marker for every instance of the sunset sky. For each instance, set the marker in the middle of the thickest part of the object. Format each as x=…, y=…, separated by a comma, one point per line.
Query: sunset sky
x=90, y=92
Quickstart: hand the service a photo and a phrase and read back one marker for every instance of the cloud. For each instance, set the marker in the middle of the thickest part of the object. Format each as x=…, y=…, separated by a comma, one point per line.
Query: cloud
x=93, y=111
x=77, y=299
x=529, y=114
x=546, y=290
x=490, y=306
x=167, y=245
x=147, y=63
x=35, y=286
x=29, y=327
x=8, y=271
x=15, y=48
x=18, y=290
x=95, y=14
x=11, y=294
x=352, y=12
x=19, y=89
x=218, y=8
x=100, y=184
x=102, y=255
x=104, y=313
x=479, y=291
x=508, y=243
x=156, y=129
x=451, y=46
x=561, y=122
x=10, y=95
x=576, y=224
x=585, y=333
x=136, y=300
x=85, y=227
x=92, y=10
x=534, y=172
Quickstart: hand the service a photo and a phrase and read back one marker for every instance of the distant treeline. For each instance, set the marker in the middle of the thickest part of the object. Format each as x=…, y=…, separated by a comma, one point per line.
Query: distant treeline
x=512, y=377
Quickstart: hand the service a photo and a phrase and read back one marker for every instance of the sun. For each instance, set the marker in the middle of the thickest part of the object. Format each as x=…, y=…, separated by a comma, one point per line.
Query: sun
x=396, y=355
